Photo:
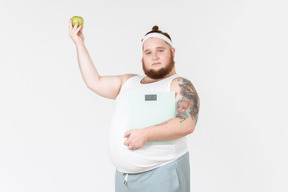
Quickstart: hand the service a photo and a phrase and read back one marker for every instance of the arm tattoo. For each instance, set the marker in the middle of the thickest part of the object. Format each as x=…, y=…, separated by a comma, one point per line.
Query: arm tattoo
x=188, y=104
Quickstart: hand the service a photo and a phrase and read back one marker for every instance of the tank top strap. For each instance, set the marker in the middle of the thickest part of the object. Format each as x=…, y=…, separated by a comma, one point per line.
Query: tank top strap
x=170, y=79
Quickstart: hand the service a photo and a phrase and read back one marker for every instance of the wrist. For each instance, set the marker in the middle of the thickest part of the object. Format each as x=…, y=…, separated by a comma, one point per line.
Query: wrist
x=80, y=46
x=148, y=133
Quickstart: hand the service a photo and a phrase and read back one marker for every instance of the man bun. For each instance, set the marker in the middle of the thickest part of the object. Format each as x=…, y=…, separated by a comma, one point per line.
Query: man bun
x=155, y=28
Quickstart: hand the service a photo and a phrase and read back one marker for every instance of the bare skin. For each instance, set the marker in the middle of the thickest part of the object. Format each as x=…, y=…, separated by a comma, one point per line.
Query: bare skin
x=156, y=55
x=105, y=86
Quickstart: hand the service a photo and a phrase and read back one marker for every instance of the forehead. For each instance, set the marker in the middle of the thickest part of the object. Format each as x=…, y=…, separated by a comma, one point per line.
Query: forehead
x=154, y=42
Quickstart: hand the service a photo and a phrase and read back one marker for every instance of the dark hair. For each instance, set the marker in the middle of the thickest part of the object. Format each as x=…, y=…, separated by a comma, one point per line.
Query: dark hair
x=155, y=29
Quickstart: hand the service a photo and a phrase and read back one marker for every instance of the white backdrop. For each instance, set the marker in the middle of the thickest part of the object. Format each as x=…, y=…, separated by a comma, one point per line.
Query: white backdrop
x=54, y=130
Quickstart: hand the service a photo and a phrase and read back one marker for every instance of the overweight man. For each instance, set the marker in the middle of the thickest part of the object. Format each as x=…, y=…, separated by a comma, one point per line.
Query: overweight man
x=158, y=167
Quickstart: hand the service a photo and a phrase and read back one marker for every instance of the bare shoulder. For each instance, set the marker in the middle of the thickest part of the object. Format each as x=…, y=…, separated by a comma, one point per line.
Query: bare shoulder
x=179, y=84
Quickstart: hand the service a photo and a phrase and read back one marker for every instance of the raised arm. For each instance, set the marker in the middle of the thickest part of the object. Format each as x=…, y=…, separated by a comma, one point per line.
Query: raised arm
x=187, y=108
x=106, y=86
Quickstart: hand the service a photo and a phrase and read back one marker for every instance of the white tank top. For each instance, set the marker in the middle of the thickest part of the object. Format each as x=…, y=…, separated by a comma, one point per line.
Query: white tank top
x=149, y=156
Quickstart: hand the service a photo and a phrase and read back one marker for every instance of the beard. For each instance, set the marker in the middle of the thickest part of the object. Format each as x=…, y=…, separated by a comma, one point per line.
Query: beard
x=159, y=74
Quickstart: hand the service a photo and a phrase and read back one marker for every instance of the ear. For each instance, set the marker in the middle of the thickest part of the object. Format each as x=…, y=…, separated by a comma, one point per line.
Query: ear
x=173, y=51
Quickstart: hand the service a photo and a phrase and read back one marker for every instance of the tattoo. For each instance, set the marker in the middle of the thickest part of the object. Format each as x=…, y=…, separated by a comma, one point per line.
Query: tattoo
x=188, y=105
x=164, y=123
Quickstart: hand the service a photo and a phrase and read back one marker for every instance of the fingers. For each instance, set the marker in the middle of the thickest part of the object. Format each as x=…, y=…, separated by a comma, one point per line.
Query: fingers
x=70, y=25
x=127, y=134
x=71, y=28
x=78, y=29
x=130, y=146
x=128, y=142
x=74, y=29
x=134, y=140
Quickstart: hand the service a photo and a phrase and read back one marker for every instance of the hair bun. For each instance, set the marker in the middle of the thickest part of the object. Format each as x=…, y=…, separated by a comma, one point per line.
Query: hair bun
x=155, y=28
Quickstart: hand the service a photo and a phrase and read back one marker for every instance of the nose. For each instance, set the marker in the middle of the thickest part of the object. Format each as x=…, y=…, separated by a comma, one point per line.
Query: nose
x=155, y=56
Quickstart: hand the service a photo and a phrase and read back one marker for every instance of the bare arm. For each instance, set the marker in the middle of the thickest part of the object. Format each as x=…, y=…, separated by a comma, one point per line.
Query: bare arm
x=106, y=86
x=187, y=108
x=187, y=102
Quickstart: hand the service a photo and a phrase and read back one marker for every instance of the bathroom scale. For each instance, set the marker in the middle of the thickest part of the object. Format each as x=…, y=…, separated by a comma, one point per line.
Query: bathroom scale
x=149, y=109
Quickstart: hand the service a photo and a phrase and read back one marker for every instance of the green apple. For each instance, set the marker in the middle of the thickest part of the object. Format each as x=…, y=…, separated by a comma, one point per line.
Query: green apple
x=79, y=19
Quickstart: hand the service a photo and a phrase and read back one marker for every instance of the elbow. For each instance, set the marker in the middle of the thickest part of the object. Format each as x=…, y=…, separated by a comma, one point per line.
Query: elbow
x=89, y=86
x=92, y=83
x=190, y=129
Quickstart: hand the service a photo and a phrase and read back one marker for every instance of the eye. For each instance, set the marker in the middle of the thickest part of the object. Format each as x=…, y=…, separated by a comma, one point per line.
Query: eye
x=148, y=53
x=160, y=50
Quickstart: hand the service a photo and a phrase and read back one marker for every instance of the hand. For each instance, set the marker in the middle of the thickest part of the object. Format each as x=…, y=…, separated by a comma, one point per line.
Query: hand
x=136, y=138
x=76, y=33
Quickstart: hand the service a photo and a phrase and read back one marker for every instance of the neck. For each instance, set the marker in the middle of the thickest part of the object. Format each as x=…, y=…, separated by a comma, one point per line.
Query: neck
x=147, y=79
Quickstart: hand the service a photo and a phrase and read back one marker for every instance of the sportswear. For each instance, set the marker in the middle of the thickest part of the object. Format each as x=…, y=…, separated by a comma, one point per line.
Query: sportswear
x=149, y=156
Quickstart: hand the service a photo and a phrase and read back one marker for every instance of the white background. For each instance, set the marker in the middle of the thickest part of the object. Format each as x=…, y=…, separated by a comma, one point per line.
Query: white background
x=54, y=130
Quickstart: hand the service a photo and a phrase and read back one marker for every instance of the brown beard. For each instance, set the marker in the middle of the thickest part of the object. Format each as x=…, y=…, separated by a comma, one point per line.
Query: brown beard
x=161, y=73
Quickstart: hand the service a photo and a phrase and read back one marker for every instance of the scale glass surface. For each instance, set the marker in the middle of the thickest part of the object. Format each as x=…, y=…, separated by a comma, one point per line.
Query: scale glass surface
x=149, y=109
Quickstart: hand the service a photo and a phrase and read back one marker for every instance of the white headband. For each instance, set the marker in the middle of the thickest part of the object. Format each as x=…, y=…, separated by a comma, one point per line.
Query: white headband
x=157, y=35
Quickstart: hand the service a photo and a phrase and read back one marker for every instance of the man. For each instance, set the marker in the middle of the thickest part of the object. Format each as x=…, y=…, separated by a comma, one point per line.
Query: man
x=141, y=167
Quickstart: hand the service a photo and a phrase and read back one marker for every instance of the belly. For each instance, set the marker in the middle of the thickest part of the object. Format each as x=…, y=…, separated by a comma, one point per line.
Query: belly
x=148, y=157
x=136, y=161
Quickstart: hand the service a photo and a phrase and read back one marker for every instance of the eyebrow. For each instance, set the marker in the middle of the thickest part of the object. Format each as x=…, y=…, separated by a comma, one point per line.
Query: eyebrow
x=156, y=48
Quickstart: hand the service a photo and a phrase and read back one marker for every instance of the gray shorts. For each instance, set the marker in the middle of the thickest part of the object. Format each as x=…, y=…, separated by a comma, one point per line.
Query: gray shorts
x=172, y=177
